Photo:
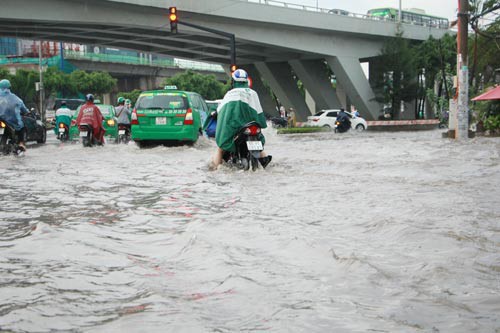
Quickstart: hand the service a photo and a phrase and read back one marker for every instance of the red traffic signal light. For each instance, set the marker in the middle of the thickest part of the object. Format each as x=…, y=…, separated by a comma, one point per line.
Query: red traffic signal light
x=172, y=16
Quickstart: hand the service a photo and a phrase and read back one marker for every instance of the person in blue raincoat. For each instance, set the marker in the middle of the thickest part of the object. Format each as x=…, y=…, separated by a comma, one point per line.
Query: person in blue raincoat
x=11, y=109
x=63, y=115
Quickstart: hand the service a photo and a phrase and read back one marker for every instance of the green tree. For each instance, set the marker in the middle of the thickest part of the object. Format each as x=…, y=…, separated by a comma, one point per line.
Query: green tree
x=436, y=59
x=206, y=85
x=23, y=85
x=56, y=81
x=96, y=82
x=398, y=79
x=4, y=74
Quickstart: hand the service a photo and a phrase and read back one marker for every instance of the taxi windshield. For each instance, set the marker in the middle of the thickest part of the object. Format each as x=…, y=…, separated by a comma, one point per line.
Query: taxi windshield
x=163, y=101
x=105, y=110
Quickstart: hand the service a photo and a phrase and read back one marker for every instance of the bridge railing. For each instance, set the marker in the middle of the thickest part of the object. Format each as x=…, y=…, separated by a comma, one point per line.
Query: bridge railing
x=340, y=12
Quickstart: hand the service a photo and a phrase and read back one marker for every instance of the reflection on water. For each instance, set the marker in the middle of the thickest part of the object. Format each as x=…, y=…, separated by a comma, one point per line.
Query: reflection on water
x=388, y=232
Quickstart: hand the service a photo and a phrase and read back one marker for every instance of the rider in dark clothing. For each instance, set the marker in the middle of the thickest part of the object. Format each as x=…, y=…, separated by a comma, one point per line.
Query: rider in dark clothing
x=345, y=122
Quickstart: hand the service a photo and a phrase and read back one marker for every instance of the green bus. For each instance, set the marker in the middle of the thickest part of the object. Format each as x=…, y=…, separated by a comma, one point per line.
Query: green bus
x=411, y=17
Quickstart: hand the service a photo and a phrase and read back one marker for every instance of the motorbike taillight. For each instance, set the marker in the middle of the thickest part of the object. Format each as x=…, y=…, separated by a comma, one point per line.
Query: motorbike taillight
x=252, y=130
x=133, y=119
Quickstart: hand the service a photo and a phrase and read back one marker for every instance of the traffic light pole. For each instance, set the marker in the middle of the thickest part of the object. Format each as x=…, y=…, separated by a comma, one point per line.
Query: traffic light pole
x=231, y=37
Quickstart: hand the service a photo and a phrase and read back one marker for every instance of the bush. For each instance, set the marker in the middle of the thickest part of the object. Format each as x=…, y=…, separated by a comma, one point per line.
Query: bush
x=292, y=130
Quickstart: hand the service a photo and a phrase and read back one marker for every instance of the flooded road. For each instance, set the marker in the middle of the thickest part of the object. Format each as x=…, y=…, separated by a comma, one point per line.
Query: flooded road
x=379, y=232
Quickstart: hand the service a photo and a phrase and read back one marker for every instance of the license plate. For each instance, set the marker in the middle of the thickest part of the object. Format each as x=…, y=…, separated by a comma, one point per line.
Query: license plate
x=121, y=132
x=161, y=120
x=254, y=145
x=2, y=130
x=84, y=133
x=62, y=130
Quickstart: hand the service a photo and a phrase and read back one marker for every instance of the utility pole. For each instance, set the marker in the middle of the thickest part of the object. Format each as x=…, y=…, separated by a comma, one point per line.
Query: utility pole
x=462, y=127
x=399, y=14
x=40, y=68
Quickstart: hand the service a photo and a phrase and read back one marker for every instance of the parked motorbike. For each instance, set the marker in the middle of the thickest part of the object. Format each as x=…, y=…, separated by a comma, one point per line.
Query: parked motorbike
x=9, y=140
x=124, y=134
x=279, y=122
x=87, y=135
x=248, y=147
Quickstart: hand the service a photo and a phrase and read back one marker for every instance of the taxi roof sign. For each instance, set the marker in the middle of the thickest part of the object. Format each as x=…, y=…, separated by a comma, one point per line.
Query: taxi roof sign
x=172, y=87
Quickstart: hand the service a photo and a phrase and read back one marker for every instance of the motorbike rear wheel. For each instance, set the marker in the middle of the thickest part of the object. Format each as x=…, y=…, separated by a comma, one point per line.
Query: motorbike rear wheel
x=87, y=141
x=254, y=162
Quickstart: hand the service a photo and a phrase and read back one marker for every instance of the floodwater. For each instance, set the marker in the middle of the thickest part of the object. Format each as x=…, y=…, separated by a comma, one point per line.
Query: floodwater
x=355, y=232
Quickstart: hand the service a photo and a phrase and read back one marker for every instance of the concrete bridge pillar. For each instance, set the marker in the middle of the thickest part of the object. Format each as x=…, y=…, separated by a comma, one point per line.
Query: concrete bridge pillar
x=266, y=100
x=279, y=77
x=314, y=76
x=350, y=74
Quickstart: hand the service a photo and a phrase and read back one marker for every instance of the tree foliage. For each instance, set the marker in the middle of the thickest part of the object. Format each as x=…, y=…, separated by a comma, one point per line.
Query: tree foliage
x=56, y=81
x=97, y=83
x=206, y=85
x=399, y=72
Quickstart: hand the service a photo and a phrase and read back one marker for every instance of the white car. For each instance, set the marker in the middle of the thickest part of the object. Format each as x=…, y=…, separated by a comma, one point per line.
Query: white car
x=326, y=118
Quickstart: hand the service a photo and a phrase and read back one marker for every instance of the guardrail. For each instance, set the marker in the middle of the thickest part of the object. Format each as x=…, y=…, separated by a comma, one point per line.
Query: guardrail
x=339, y=12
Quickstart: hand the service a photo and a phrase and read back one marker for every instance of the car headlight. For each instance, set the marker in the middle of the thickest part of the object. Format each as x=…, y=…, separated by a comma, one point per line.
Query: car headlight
x=111, y=122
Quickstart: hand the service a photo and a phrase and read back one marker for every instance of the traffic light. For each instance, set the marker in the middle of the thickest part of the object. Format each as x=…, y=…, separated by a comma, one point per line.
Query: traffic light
x=172, y=16
x=233, y=68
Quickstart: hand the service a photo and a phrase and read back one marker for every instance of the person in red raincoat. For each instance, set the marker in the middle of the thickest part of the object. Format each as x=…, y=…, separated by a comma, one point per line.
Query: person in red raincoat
x=90, y=114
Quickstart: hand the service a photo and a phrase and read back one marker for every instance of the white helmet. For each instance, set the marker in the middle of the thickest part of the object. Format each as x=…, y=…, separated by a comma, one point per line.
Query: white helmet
x=240, y=75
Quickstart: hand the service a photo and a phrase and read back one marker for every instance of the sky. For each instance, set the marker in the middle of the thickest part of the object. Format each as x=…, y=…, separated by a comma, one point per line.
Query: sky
x=442, y=8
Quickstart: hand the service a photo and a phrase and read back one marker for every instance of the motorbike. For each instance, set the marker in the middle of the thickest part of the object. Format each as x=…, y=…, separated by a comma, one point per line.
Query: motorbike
x=9, y=140
x=248, y=147
x=342, y=125
x=87, y=135
x=63, y=132
x=279, y=122
x=123, y=133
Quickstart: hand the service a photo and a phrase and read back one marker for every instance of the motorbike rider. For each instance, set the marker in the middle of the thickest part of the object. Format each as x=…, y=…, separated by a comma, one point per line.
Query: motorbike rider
x=63, y=115
x=90, y=114
x=239, y=106
x=123, y=113
x=11, y=109
x=343, y=119
x=128, y=104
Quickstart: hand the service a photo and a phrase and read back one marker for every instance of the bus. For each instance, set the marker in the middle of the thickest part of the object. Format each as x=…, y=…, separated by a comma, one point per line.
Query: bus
x=418, y=17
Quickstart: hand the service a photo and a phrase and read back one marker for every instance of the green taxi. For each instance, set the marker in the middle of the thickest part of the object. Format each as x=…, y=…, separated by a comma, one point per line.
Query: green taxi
x=109, y=122
x=168, y=115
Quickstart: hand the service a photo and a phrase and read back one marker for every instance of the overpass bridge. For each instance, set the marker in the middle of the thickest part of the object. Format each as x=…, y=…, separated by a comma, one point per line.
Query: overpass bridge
x=275, y=44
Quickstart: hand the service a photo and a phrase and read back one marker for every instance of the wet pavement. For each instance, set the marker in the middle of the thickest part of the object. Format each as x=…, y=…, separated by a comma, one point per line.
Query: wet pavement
x=373, y=231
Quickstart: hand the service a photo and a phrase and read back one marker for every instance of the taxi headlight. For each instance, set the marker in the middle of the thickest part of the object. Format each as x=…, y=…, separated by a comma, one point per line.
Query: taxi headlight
x=111, y=122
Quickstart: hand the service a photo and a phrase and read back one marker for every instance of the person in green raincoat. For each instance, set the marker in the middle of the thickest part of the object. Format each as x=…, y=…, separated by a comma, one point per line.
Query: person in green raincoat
x=63, y=115
x=239, y=106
